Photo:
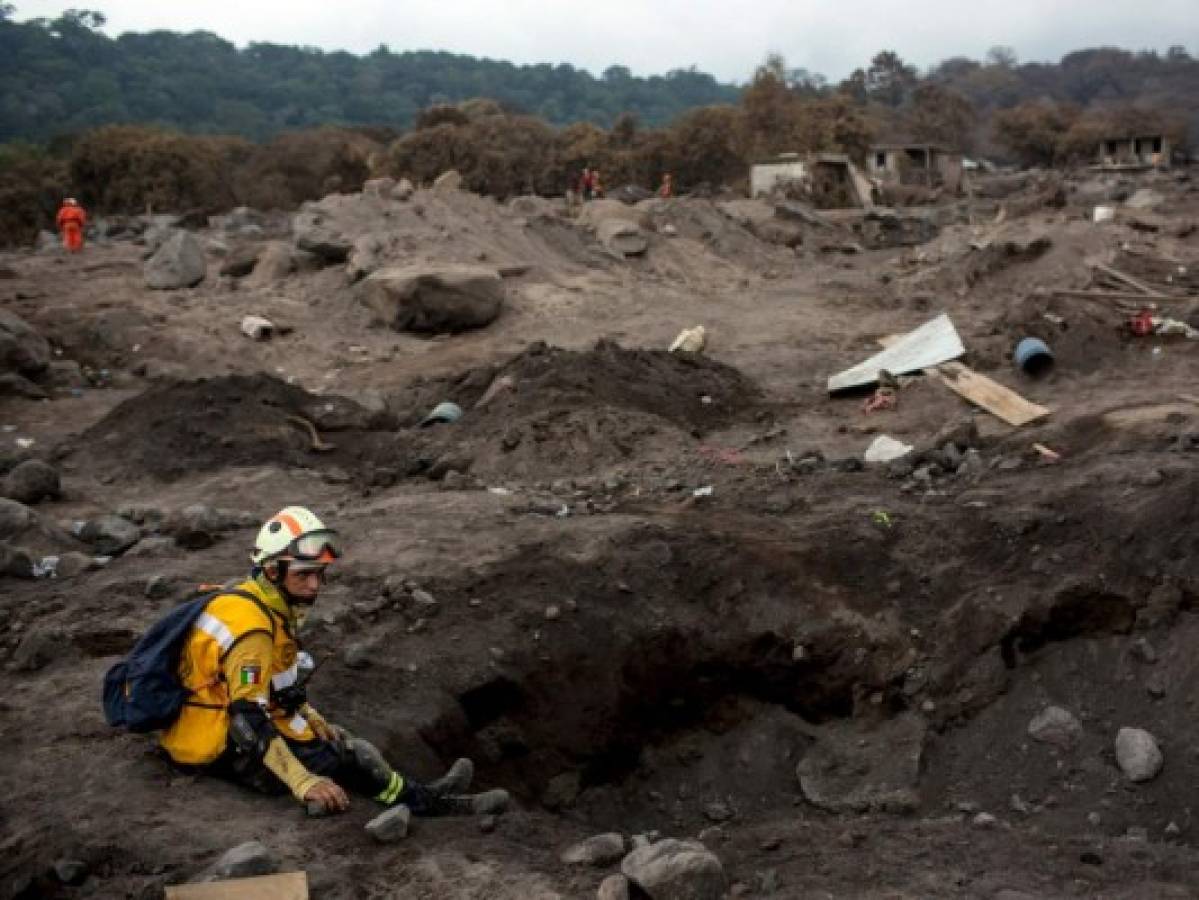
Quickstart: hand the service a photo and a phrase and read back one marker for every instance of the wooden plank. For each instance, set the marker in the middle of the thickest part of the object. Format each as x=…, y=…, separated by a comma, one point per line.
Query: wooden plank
x=933, y=342
x=999, y=401
x=1124, y=278
x=282, y=886
x=1113, y=295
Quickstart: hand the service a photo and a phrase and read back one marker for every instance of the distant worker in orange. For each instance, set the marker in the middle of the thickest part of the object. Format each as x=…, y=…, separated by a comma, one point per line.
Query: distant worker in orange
x=667, y=187
x=70, y=221
x=597, y=186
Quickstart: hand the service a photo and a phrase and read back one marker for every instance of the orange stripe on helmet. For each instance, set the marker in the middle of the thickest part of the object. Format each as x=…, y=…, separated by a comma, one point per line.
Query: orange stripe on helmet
x=292, y=524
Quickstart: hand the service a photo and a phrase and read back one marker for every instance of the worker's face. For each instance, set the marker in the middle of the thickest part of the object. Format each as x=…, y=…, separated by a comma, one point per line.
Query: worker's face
x=303, y=585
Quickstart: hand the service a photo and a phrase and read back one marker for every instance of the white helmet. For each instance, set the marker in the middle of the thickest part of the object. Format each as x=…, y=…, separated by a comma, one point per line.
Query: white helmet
x=296, y=534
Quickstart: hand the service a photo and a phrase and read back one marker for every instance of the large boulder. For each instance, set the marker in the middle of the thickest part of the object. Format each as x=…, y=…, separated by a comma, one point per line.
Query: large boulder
x=596, y=211
x=30, y=482
x=178, y=263
x=855, y=769
x=621, y=238
x=434, y=299
x=315, y=234
x=675, y=870
x=22, y=349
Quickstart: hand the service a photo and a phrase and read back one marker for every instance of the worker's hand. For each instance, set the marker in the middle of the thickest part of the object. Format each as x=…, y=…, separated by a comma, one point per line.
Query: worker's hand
x=329, y=794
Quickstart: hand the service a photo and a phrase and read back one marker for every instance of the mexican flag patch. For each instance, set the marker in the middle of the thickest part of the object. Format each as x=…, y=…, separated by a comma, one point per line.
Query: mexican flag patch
x=251, y=674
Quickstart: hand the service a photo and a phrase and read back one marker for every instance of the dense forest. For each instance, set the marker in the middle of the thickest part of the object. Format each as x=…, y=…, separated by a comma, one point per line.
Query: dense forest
x=63, y=75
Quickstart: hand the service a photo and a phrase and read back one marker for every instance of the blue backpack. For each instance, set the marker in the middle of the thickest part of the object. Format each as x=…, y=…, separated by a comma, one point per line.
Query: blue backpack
x=143, y=691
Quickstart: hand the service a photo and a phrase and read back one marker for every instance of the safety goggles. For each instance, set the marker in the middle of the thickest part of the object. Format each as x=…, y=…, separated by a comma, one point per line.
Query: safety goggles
x=315, y=547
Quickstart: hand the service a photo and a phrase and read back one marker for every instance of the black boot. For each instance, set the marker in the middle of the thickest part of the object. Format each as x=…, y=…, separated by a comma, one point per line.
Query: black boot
x=456, y=780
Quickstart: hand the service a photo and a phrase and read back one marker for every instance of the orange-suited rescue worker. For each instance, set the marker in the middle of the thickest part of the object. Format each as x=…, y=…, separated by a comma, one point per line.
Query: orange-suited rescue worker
x=248, y=718
x=666, y=189
x=70, y=221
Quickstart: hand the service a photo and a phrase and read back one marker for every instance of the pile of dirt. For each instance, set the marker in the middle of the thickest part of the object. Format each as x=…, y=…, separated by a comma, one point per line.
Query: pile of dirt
x=178, y=428
x=549, y=411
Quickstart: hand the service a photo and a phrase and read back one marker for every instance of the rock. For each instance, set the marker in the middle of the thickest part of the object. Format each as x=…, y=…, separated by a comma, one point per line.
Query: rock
x=378, y=187
x=196, y=527
x=614, y=887
x=390, y=826
x=15, y=562
x=38, y=648
x=73, y=563
x=356, y=656
x=1145, y=198
x=448, y=181
x=22, y=349
x=110, y=535
x=66, y=373
x=313, y=234
x=1138, y=754
x=851, y=770
x=257, y=328
x=598, y=850
x=561, y=791
x=241, y=260
x=152, y=546
x=984, y=820
x=403, y=191
x=487, y=824
x=70, y=871
x=675, y=870
x=1056, y=726
x=158, y=587
x=275, y=261
x=434, y=298
x=243, y=861
x=717, y=812
x=621, y=238
x=14, y=385
x=178, y=263
x=15, y=518
x=32, y=481
x=596, y=212
x=1143, y=650
x=365, y=257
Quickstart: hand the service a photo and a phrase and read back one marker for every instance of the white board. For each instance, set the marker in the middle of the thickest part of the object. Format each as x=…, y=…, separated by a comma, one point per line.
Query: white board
x=929, y=345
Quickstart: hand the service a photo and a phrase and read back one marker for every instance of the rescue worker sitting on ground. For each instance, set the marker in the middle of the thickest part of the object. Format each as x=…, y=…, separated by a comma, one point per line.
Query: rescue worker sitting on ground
x=70, y=222
x=248, y=718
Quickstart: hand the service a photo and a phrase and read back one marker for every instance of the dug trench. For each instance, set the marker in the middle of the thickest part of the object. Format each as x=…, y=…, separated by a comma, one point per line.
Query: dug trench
x=674, y=668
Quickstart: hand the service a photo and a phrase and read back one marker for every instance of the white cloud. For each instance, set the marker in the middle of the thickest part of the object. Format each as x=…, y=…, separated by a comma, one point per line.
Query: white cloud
x=654, y=36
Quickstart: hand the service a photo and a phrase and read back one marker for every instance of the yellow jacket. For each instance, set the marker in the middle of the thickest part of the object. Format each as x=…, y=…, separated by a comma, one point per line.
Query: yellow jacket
x=237, y=650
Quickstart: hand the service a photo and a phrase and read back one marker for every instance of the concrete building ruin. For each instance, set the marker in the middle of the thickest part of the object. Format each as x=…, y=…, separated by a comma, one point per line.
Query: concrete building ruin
x=929, y=165
x=1147, y=151
x=824, y=180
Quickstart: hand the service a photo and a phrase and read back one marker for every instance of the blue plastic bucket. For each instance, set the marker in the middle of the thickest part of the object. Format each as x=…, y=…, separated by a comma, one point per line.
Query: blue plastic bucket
x=1033, y=357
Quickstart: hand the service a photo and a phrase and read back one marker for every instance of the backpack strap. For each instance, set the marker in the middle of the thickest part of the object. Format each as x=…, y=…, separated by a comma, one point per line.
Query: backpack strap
x=263, y=608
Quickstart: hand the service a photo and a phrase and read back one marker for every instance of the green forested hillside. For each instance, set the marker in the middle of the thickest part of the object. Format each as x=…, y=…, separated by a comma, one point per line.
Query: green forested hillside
x=63, y=76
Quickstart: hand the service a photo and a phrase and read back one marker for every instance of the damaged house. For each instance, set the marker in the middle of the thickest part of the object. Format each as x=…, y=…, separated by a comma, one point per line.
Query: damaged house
x=928, y=165
x=824, y=180
x=1148, y=151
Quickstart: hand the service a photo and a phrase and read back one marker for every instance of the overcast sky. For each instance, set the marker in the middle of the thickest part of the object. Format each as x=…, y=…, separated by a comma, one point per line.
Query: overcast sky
x=726, y=39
